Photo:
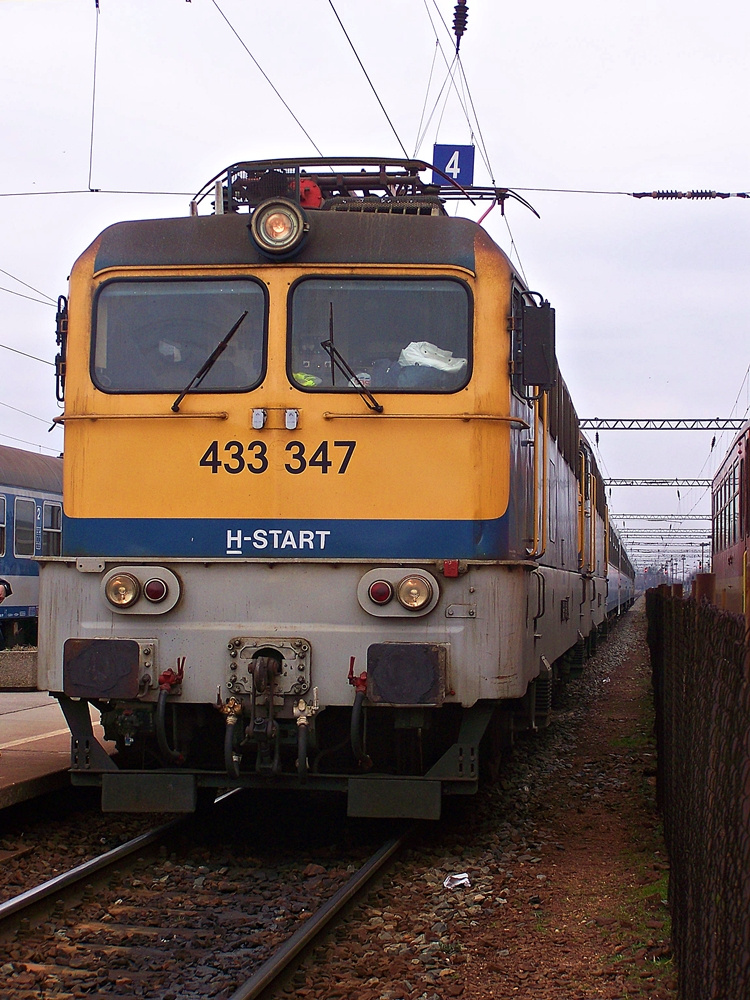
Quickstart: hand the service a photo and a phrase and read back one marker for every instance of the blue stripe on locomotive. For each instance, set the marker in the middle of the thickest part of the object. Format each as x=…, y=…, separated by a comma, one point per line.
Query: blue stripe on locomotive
x=223, y=538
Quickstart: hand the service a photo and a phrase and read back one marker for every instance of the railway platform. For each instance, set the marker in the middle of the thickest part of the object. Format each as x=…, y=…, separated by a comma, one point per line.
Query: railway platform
x=34, y=746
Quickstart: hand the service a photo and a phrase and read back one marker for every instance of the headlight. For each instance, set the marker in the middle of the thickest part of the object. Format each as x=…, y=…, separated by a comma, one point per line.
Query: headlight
x=122, y=590
x=278, y=226
x=414, y=592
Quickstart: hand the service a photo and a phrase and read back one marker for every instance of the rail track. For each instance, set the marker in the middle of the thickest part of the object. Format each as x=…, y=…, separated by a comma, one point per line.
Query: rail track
x=178, y=912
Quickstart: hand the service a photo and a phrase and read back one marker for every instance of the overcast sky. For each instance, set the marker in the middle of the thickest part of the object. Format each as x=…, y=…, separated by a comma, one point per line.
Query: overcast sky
x=650, y=296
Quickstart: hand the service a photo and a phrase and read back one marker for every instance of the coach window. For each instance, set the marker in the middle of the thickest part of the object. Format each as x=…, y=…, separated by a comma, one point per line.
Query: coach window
x=2, y=526
x=23, y=527
x=52, y=530
x=154, y=336
x=409, y=335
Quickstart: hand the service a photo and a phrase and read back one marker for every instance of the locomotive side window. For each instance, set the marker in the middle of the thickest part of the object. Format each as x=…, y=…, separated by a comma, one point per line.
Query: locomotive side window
x=2, y=526
x=23, y=527
x=394, y=334
x=52, y=529
x=154, y=336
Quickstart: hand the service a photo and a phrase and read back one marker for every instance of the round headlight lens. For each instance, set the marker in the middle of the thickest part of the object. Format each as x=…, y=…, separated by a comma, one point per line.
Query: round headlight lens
x=414, y=592
x=155, y=590
x=122, y=590
x=278, y=226
x=380, y=592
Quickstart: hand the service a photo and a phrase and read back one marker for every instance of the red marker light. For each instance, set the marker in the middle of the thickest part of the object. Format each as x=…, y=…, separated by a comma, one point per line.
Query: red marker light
x=155, y=590
x=380, y=592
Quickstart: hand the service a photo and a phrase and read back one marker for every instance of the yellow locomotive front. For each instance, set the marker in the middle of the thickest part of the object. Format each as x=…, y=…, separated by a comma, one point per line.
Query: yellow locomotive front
x=292, y=550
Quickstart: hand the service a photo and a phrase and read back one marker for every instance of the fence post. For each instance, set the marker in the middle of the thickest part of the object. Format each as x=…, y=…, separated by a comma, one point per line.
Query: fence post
x=705, y=587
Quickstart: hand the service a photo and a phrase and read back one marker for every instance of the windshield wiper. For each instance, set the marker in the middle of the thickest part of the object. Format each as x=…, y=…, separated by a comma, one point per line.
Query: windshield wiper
x=337, y=361
x=208, y=363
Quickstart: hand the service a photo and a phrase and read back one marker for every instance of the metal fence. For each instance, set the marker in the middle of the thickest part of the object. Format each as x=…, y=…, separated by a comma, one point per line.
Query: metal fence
x=702, y=693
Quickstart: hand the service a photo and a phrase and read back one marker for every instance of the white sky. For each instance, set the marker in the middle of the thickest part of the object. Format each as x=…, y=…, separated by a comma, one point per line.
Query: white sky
x=608, y=97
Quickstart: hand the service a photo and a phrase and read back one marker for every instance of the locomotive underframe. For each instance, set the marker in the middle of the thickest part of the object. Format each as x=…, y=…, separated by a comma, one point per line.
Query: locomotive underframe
x=480, y=664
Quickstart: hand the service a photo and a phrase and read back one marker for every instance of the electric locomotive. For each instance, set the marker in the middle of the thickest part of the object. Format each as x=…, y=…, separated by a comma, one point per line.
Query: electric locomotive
x=30, y=527
x=329, y=519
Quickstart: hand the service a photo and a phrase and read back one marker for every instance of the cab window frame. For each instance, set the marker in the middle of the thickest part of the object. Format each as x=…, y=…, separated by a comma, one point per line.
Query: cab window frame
x=379, y=390
x=145, y=279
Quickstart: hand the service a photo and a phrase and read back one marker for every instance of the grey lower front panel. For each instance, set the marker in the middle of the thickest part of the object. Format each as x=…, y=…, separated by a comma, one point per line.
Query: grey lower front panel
x=371, y=797
x=157, y=791
x=396, y=798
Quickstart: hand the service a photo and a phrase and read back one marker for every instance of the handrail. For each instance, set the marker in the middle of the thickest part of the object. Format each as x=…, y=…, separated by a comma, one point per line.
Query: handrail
x=330, y=415
x=540, y=404
x=217, y=415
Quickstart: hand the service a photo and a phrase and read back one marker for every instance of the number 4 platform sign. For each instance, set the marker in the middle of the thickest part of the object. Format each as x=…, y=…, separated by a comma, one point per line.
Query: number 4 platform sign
x=457, y=162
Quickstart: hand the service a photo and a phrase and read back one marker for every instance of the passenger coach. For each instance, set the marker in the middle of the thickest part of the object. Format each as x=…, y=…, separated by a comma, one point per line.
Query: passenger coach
x=329, y=519
x=30, y=527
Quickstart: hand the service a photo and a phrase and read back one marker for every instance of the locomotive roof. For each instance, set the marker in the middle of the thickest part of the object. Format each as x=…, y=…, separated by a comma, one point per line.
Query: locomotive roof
x=29, y=470
x=335, y=238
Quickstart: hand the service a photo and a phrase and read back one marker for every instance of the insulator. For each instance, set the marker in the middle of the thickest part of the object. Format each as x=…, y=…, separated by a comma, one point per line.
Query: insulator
x=664, y=195
x=460, y=17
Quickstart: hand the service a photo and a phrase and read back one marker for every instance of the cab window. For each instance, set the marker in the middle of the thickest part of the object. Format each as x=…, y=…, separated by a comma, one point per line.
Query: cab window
x=154, y=336
x=392, y=334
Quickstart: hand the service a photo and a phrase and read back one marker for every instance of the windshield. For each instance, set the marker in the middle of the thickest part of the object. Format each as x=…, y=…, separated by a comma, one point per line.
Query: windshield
x=395, y=334
x=153, y=336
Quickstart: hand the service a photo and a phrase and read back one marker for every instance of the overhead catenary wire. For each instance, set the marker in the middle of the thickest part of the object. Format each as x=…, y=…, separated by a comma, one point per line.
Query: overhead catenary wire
x=266, y=77
x=24, y=412
x=465, y=101
x=367, y=77
x=27, y=285
x=31, y=298
x=37, y=194
x=424, y=127
x=34, y=444
x=462, y=99
x=25, y=355
x=93, y=95
x=188, y=194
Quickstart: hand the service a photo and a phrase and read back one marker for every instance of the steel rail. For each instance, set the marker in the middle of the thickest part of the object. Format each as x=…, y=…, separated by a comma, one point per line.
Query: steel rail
x=272, y=969
x=63, y=881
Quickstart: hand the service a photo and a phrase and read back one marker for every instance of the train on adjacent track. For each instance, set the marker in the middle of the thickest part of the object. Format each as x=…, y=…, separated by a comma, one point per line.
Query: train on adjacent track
x=730, y=517
x=30, y=527
x=329, y=520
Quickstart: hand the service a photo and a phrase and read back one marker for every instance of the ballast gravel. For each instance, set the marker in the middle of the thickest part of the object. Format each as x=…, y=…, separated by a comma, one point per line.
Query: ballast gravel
x=567, y=869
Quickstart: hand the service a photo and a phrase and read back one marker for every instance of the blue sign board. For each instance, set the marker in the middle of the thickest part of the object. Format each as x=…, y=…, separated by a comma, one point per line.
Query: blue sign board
x=455, y=161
